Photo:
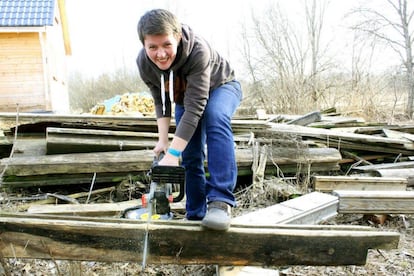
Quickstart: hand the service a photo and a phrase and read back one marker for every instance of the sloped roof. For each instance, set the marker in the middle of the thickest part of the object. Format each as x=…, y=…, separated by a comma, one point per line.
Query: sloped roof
x=26, y=13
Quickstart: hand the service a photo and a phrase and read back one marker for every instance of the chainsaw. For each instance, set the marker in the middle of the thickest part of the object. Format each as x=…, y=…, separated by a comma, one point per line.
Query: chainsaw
x=156, y=203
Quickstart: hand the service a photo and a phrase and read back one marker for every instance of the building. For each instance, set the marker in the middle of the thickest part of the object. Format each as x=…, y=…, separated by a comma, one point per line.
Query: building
x=34, y=46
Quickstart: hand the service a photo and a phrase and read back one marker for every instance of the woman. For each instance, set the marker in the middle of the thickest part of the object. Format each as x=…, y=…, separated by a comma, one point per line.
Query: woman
x=180, y=67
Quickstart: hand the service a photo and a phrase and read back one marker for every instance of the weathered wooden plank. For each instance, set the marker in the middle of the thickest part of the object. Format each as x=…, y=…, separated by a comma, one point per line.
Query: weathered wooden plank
x=96, y=209
x=362, y=146
x=395, y=165
x=27, y=181
x=116, y=161
x=186, y=242
x=327, y=134
x=307, y=209
x=398, y=134
x=137, y=160
x=404, y=173
x=71, y=140
x=311, y=208
x=115, y=122
x=375, y=202
x=306, y=119
x=362, y=183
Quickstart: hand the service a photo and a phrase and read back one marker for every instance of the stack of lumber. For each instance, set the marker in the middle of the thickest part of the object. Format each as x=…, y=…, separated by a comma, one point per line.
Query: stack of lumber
x=63, y=149
x=55, y=149
x=84, y=149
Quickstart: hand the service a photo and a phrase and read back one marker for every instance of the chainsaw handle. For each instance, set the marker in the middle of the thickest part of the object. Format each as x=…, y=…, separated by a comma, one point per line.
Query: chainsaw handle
x=181, y=193
x=157, y=159
x=170, y=174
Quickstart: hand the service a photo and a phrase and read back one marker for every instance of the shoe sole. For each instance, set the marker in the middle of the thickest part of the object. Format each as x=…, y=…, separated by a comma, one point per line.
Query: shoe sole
x=218, y=227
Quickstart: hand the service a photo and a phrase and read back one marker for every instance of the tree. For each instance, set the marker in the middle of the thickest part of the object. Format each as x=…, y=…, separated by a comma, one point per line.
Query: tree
x=314, y=23
x=395, y=31
x=285, y=61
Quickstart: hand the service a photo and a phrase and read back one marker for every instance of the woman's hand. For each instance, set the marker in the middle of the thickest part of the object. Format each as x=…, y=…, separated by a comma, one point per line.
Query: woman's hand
x=169, y=160
x=160, y=147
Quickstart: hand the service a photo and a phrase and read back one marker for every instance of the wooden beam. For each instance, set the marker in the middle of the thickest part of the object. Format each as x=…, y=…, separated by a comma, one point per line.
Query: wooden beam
x=386, y=166
x=306, y=119
x=331, y=183
x=115, y=122
x=113, y=240
x=307, y=209
x=97, y=209
x=311, y=208
x=408, y=174
x=327, y=135
x=72, y=140
x=375, y=202
x=94, y=210
x=139, y=160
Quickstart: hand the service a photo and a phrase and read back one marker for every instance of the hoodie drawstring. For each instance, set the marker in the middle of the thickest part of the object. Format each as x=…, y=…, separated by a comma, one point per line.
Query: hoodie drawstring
x=170, y=90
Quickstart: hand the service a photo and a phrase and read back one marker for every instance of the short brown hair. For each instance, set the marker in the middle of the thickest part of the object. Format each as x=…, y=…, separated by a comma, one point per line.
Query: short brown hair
x=158, y=22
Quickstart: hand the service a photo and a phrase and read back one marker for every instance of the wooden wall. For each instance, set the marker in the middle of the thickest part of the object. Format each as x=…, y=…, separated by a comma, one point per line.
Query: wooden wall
x=55, y=52
x=33, y=71
x=21, y=72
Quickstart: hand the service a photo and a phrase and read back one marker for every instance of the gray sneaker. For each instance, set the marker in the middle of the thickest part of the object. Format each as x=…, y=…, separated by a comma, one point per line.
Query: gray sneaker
x=218, y=216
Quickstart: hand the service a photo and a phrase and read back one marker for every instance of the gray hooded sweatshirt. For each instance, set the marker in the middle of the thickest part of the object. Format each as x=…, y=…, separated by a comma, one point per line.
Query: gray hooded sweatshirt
x=196, y=70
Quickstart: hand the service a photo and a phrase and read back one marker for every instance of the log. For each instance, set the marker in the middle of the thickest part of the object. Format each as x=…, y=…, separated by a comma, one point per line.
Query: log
x=359, y=183
x=375, y=202
x=180, y=242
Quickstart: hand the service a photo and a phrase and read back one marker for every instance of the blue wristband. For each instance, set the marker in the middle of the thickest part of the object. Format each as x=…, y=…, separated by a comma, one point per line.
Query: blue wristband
x=174, y=152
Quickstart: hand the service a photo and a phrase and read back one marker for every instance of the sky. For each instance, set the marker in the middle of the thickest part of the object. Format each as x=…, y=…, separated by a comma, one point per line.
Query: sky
x=103, y=32
x=104, y=38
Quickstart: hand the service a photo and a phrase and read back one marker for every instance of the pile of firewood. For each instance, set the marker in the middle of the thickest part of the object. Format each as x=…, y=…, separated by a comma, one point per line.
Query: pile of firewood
x=137, y=104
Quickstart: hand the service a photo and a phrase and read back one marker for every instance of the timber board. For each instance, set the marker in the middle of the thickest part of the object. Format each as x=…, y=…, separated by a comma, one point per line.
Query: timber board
x=375, y=202
x=186, y=242
x=307, y=209
x=363, y=183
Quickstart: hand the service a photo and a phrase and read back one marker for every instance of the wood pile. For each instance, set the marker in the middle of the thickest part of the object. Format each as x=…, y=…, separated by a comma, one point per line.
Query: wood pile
x=358, y=163
x=53, y=149
x=136, y=104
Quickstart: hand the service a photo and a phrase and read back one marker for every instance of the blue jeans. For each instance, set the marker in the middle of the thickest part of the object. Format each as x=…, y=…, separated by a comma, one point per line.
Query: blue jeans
x=214, y=131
